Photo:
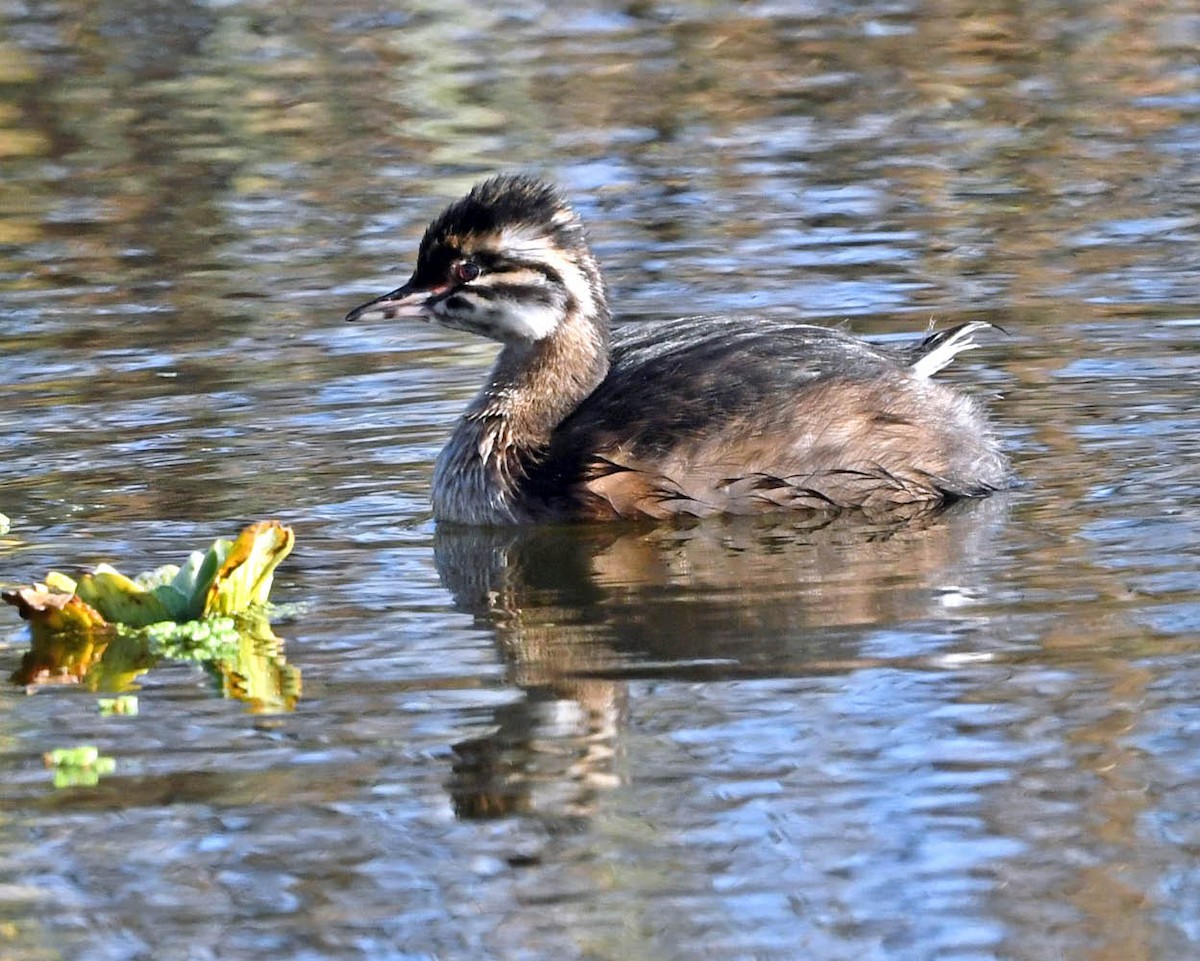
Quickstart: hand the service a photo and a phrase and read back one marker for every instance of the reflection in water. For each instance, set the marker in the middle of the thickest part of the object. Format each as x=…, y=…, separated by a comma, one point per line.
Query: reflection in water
x=110, y=660
x=575, y=609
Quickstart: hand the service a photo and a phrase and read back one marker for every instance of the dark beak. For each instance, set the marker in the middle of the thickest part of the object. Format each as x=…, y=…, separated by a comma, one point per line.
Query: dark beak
x=406, y=301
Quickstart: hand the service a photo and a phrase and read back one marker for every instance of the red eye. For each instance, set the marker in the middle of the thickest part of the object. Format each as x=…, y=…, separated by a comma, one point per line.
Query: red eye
x=465, y=271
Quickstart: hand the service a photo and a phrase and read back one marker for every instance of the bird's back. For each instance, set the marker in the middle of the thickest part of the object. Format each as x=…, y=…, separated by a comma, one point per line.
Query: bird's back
x=748, y=414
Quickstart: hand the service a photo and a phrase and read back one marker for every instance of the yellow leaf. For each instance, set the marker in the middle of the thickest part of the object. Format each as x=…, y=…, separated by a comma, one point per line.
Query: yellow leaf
x=244, y=578
x=57, y=581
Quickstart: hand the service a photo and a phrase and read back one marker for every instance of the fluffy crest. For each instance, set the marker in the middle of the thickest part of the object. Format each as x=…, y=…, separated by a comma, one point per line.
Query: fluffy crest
x=504, y=204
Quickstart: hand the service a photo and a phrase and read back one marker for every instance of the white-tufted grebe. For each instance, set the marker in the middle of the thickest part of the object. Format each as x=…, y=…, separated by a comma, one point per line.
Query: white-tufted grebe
x=702, y=415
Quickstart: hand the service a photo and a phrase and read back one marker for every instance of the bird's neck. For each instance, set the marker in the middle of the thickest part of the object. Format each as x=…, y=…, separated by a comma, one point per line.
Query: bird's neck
x=532, y=388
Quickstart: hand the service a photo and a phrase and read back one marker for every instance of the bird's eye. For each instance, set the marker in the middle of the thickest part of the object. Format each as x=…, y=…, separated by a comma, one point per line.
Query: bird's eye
x=465, y=271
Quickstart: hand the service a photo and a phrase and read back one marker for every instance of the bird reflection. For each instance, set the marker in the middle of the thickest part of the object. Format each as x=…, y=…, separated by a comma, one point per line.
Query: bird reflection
x=579, y=611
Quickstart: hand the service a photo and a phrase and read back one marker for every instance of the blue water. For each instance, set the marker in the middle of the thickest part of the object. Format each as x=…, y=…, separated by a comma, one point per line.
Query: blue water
x=970, y=739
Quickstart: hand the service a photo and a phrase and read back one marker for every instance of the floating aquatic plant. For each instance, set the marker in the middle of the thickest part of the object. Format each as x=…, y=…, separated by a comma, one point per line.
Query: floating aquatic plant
x=105, y=628
x=229, y=578
x=126, y=704
x=81, y=766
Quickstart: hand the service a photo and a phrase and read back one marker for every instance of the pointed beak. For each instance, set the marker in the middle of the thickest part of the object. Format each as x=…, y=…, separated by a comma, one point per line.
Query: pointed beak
x=405, y=301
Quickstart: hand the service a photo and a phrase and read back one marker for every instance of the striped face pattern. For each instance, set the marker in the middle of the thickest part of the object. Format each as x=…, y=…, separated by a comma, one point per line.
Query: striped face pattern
x=509, y=261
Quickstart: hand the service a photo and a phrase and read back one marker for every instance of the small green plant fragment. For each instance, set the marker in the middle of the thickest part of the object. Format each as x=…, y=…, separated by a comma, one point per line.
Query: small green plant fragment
x=81, y=766
x=126, y=704
x=211, y=639
x=83, y=756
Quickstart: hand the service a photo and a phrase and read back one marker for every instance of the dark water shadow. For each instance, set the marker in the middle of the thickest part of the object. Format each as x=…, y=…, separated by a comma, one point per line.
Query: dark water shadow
x=580, y=612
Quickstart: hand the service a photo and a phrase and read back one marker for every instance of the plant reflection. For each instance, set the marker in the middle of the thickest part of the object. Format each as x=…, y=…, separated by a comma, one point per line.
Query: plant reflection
x=250, y=667
x=578, y=612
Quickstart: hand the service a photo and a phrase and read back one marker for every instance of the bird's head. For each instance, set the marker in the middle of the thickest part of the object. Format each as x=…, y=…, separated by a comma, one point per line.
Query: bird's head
x=508, y=261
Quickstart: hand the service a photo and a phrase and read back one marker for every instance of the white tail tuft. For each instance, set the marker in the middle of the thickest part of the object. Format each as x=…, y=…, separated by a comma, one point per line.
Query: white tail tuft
x=937, y=350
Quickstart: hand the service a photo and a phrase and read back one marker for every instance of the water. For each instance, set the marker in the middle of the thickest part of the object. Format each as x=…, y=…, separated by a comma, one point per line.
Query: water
x=972, y=739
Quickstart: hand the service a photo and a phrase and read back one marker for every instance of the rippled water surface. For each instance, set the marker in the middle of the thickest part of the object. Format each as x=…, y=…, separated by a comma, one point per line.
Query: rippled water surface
x=973, y=738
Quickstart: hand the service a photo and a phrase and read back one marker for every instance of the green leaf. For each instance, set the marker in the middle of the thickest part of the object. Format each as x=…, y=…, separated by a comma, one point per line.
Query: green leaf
x=156, y=578
x=119, y=600
x=196, y=576
x=178, y=604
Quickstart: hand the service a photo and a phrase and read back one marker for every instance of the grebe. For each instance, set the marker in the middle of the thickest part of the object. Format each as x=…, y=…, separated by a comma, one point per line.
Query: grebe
x=701, y=415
